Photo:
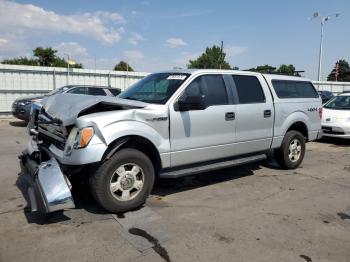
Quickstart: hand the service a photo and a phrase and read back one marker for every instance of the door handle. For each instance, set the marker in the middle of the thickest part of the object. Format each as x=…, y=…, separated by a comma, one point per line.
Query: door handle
x=267, y=113
x=230, y=116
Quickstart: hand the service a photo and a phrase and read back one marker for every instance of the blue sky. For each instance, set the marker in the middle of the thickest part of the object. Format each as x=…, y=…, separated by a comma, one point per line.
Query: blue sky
x=157, y=35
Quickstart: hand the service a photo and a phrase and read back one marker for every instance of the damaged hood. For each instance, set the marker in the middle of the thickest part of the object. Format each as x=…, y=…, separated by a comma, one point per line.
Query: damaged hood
x=67, y=107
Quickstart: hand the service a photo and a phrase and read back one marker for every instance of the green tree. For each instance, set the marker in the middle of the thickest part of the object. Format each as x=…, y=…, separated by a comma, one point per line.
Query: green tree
x=264, y=69
x=213, y=58
x=61, y=62
x=343, y=72
x=286, y=70
x=21, y=61
x=45, y=56
x=123, y=66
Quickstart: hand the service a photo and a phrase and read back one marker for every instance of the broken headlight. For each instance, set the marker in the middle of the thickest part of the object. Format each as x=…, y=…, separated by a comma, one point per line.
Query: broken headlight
x=78, y=138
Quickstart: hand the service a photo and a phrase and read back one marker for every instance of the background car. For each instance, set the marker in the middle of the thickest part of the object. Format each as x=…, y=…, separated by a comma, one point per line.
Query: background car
x=21, y=106
x=325, y=96
x=336, y=117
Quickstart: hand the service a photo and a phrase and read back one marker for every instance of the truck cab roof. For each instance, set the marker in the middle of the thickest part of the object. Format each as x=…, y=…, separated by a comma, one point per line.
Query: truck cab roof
x=222, y=71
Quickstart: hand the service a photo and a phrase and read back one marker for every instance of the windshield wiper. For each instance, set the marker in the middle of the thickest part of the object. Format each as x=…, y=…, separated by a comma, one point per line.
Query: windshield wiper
x=131, y=98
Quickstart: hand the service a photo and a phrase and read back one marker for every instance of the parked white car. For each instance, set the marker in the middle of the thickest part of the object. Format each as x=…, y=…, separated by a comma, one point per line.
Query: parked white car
x=336, y=117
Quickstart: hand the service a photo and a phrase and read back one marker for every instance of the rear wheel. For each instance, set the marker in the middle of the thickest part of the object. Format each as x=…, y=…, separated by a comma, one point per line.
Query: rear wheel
x=123, y=182
x=292, y=151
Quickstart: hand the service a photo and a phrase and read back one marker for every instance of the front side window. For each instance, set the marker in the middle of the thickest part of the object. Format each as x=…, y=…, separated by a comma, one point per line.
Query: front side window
x=211, y=86
x=155, y=88
x=339, y=102
x=249, y=89
x=294, y=89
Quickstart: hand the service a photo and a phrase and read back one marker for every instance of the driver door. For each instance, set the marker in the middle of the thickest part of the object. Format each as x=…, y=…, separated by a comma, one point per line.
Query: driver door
x=208, y=134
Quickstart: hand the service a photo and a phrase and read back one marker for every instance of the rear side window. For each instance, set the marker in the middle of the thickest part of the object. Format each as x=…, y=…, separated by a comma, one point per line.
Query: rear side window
x=294, y=89
x=212, y=86
x=249, y=89
x=93, y=91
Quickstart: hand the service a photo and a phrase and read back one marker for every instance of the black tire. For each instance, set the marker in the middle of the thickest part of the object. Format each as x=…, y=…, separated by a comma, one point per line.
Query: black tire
x=282, y=154
x=100, y=181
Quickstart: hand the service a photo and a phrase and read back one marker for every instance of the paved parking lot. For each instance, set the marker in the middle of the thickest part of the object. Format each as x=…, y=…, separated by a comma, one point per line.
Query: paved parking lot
x=250, y=213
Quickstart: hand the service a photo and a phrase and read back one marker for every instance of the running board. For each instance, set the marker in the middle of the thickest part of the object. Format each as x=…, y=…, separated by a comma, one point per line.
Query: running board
x=211, y=167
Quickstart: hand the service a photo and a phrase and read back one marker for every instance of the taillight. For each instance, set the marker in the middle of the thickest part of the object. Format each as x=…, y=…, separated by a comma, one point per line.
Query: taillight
x=320, y=112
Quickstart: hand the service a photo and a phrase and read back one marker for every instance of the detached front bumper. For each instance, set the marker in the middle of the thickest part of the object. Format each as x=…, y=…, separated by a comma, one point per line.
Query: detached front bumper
x=49, y=188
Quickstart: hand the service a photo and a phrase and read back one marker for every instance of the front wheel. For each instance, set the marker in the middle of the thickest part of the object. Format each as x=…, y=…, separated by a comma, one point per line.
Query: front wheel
x=123, y=182
x=292, y=151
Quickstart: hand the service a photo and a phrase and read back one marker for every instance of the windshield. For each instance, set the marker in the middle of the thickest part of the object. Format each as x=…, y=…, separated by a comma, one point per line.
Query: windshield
x=58, y=90
x=338, y=102
x=155, y=88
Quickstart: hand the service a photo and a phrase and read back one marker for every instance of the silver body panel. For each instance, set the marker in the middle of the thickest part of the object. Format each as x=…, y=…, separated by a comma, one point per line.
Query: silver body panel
x=193, y=136
x=54, y=187
x=48, y=189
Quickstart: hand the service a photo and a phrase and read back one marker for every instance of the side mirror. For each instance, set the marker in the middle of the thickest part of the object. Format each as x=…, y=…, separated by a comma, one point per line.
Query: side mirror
x=187, y=103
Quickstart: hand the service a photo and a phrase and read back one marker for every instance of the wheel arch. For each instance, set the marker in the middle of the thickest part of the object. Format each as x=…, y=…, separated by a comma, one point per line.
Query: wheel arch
x=301, y=127
x=298, y=121
x=136, y=142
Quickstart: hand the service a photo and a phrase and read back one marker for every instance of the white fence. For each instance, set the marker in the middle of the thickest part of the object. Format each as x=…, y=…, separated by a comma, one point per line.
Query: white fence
x=335, y=87
x=17, y=81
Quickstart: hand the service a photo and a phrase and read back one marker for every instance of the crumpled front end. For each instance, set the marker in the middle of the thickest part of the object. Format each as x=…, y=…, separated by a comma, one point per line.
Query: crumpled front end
x=50, y=189
x=58, y=140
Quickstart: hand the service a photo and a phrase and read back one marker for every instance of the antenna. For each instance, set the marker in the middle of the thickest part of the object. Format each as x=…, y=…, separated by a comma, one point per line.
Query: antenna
x=221, y=53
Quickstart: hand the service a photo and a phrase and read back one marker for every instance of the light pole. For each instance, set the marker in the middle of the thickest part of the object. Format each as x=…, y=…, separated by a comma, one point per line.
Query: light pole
x=323, y=20
x=67, y=67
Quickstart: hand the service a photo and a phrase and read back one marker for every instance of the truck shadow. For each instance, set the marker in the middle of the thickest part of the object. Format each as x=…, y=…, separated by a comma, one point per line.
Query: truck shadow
x=88, y=210
x=35, y=217
x=164, y=187
x=335, y=142
x=18, y=123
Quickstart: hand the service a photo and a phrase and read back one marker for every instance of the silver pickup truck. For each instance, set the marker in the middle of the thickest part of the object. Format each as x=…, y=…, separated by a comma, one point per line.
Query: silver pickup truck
x=169, y=124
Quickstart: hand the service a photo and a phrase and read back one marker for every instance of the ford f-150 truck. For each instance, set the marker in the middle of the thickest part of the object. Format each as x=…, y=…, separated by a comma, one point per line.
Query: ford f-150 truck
x=169, y=124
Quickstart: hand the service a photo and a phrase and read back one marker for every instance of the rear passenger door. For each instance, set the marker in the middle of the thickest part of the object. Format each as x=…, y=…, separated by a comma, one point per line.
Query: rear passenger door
x=255, y=113
x=201, y=135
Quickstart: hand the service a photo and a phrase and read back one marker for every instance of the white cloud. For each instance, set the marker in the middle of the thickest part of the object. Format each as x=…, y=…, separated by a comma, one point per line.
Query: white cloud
x=74, y=50
x=101, y=63
x=133, y=56
x=175, y=42
x=23, y=19
x=135, y=38
x=234, y=50
x=3, y=41
x=184, y=58
x=10, y=46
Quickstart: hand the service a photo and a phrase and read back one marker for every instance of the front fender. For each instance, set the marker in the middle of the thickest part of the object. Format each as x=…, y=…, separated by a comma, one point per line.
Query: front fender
x=127, y=128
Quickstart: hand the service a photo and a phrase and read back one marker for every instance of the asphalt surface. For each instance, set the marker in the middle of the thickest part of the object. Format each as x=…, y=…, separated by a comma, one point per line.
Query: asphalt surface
x=254, y=212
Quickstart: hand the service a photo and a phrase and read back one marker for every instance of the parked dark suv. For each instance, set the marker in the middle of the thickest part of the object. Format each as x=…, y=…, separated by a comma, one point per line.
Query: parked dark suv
x=21, y=106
